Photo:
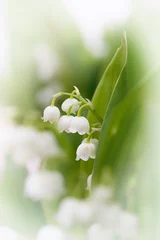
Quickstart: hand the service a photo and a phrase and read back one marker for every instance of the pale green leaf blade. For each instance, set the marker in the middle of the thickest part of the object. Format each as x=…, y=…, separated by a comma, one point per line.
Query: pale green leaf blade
x=107, y=85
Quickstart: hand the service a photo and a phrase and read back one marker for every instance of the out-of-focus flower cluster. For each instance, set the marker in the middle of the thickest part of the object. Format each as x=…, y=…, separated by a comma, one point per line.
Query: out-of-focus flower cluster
x=96, y=217
x=29, y=148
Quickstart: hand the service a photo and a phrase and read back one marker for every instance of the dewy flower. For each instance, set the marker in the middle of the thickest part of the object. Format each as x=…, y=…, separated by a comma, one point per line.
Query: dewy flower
x=44, y=185
x=80, y=125
x=51, y=114
x=70, y=102
x=64, y=123
x=86, y=151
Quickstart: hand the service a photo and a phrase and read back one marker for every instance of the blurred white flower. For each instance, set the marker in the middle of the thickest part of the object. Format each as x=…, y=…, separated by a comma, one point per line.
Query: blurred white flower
x=47, y=62
x=51, y=114
x=8, y=234
x=128, y=226
x=107, y=214
x=51, y=232
x=70, y=102
x=7, y=133
x=86, y=151
x=72, y=212
x=44, y=185
x=96, y=231
x=64, y=123
x=80, y=125
x=66, y=215
x=29, y=147
x=84, y=212
x=33, y=165
x=103, y=14
x=101, y=194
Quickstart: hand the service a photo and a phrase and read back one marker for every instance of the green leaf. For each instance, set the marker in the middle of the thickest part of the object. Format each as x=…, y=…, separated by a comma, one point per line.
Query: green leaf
x=107, y=85
x=104, y=93
x=120, y=134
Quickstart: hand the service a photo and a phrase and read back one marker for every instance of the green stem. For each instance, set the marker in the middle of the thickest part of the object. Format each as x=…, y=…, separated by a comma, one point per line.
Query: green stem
x=53, y=101
x=81, y=108
x=93, y=111
x=90, y=134
x=81, y=99
x=72, y=94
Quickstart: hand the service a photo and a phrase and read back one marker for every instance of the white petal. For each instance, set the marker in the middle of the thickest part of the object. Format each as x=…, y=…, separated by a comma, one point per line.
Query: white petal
x=70, y=102
x=83, y=126
x=64, y=123
x=80, y=125
x=83, y=151
x=92, y=151
x=51, y=114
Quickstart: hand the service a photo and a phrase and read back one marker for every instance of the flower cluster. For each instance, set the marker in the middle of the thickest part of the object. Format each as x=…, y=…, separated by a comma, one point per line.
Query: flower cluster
x=74, y=122
x=29, y=148
x=96, y=217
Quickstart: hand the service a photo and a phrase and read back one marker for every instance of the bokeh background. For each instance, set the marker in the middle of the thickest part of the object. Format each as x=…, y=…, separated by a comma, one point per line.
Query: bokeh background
x=50, y=46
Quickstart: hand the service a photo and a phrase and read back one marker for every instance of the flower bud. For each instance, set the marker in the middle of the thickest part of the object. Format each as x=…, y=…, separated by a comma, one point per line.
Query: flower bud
x=51, y=114
x=86, y=151
x=80, y=125
x=70, y=102
x=64, y=123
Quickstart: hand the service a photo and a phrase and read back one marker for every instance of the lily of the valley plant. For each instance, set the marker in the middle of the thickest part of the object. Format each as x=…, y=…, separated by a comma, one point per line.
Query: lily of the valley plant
x=74, y=122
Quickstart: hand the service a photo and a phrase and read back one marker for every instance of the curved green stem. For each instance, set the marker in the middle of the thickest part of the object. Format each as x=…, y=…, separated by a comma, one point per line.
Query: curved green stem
x=81, y=99
x=81, y=108
x=53, y=101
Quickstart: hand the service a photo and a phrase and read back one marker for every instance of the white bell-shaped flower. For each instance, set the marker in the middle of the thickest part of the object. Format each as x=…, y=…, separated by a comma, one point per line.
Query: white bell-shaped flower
x=80, y=125
x=86, y=151
x=70, y=102
x=92, y=140
x=50, y=232
x=44, y=185
x=51, y=114
x=64, y=123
